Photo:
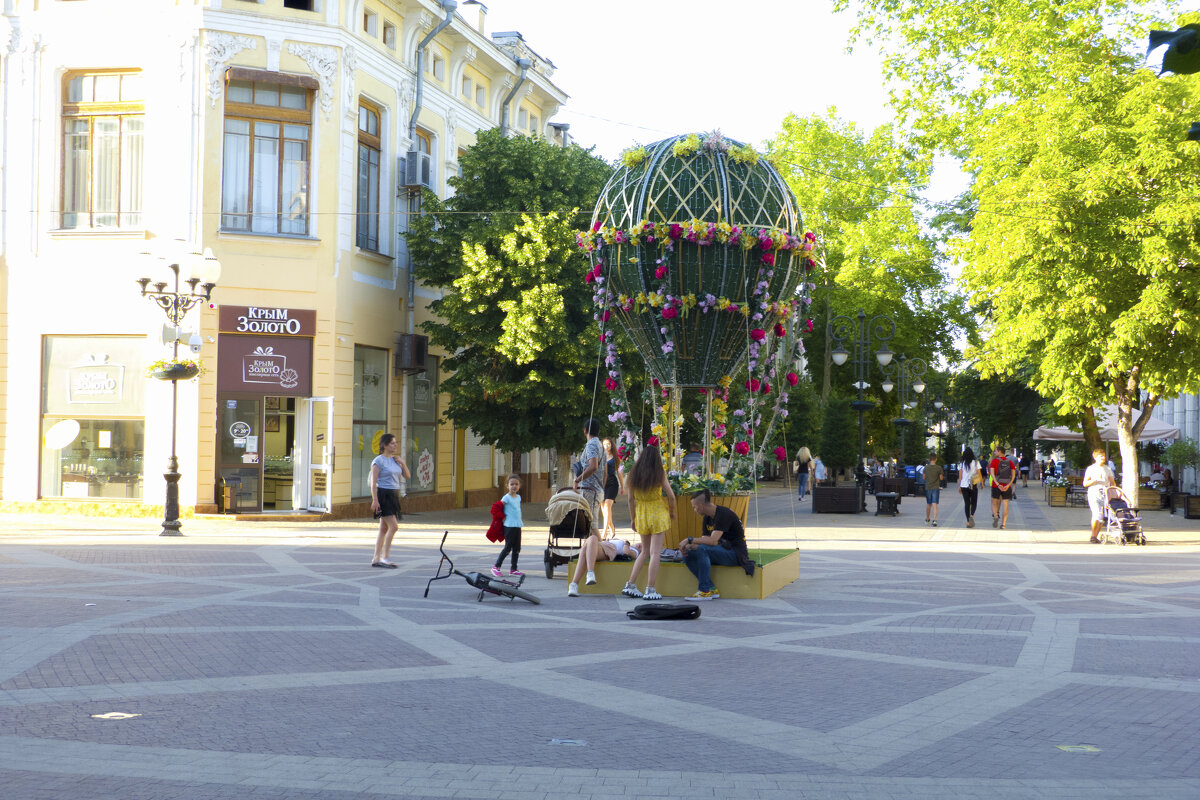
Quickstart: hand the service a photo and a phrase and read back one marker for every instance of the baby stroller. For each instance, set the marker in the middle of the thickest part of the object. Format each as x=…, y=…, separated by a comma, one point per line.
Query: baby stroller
x=570, y=520
x=1121, y=525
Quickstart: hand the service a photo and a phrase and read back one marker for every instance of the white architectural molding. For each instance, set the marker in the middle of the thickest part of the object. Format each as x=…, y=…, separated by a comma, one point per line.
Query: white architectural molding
x=323, y=61
x=220, y=49
x=349, y=66
x=274, y=49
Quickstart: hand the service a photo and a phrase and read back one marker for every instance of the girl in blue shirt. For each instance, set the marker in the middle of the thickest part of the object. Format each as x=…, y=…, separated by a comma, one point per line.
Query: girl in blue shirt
x=512, y=527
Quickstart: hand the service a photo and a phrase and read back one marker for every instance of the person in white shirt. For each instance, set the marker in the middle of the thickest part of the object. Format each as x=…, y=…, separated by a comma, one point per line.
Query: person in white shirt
x=968, y=485
x=1096, y=479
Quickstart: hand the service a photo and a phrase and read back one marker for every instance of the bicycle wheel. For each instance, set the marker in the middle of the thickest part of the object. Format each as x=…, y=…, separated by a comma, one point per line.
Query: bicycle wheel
x=512, y=591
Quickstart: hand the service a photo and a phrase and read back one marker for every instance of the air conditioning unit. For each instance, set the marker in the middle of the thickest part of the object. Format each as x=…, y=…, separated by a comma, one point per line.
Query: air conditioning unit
x=411, y=349
x=416, y=170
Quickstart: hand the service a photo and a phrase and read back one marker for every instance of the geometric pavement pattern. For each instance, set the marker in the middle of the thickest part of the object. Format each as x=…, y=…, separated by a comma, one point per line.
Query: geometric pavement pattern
x=291, y=669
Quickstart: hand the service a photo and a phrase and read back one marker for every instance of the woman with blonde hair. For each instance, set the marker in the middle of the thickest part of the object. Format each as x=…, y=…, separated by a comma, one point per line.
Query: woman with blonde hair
x=1097, y=478
x=803, y=473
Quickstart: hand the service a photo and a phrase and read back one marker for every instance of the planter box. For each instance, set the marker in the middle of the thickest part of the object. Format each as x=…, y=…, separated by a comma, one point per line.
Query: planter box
x=1192, y=509
x=1149, y=499
x=689, y=523
x=837, y=499
x=1179, y=501
x=676, y=580
x=1056, y=495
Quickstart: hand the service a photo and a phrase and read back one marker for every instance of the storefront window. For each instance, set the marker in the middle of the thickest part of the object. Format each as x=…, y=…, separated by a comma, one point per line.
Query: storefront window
x=370, y=414
x=93, y=430
x=421, y=453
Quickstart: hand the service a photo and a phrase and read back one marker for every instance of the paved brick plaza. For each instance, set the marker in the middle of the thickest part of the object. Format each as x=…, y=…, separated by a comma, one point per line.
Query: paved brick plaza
x=270, y=661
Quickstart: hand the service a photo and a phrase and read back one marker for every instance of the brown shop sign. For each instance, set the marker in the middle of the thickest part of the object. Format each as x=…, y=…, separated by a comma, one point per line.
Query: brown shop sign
x=263, y=320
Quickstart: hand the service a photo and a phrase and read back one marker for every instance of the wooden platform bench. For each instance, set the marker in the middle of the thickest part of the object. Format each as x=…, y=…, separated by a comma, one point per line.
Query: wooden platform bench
x=777, y=568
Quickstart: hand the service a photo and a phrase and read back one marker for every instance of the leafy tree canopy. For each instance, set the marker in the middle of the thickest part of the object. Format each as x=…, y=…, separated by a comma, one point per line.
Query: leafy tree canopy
x=516, y=315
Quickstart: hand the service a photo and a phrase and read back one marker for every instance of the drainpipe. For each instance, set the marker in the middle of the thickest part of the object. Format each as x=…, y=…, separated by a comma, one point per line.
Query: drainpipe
x=448, y=6
x=524, y=64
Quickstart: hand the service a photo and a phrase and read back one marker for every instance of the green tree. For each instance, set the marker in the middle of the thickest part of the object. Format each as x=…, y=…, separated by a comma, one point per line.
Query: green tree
x=839, y=435
x=517, y=317
x=859, y=193
x=1082, y=251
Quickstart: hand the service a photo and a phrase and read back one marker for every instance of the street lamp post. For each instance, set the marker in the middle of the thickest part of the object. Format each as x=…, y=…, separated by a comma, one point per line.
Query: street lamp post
x=203, y=271
x=909, y=373
x=939, y=417
x=858, y=330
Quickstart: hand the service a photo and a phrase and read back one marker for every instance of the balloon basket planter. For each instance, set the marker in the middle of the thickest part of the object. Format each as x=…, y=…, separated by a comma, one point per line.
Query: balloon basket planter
x=776, y=569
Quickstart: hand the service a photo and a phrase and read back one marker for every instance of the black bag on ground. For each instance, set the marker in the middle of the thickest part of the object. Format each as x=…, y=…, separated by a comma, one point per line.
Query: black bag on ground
x=665, y=611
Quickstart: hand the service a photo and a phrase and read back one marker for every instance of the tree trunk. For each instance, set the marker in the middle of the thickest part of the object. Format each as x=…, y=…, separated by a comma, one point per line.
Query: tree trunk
x=1091, y=431
x=516, y=462
x=565, y=478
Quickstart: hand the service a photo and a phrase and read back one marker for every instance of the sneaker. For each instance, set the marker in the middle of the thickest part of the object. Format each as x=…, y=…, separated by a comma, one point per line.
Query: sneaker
x=995, y=522
x=934, y=523
x=590, y=580
x=572, y=590
x=927, y=522
x=712, y=594
x=631, y=591
x=516, y=573
x=970, y=522
x=651, y=594
x=1002, y=526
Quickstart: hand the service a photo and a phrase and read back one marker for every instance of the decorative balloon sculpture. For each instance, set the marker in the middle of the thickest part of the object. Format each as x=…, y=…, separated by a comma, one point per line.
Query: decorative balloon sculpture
x=695, y=255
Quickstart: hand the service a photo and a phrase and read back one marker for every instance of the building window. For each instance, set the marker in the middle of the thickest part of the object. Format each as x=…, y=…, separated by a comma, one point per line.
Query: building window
x=522, y=119
x=466, y=87
x=370, y=23
x=389, y=35
x=480, y=96
x=421, y=453
x=370, y=414
x=368, y=177
x=102, y=150
x=461, y=153
x=93, y=428
x=436, y=66
x=301, y=5
x=265, y=178
x=533, y=124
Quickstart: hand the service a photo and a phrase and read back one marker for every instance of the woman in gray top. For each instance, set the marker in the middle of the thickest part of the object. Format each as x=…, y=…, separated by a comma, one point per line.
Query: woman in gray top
x=386, y=471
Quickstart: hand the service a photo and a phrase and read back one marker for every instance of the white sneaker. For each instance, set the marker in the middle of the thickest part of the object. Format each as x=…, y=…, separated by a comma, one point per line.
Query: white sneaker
x=651, y=594
x=590, y=580
x=631, y=591
x=572, y=590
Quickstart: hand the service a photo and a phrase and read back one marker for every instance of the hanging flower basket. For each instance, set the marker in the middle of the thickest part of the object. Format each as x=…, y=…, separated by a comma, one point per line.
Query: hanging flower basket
x=167, y=370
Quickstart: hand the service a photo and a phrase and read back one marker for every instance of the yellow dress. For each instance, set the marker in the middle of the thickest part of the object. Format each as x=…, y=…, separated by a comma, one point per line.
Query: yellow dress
x=650, y=513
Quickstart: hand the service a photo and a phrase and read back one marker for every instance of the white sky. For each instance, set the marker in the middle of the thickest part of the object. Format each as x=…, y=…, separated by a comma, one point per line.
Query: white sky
x=639, y=71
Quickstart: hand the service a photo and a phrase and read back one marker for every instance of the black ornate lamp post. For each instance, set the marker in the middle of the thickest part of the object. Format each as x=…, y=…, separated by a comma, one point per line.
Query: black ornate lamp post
x=203, y=271
x=859, y=331
x=909, y=372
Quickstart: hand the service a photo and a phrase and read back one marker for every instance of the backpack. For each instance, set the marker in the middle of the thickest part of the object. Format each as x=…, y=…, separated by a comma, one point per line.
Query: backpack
x=665, y=611
x=1004, y=471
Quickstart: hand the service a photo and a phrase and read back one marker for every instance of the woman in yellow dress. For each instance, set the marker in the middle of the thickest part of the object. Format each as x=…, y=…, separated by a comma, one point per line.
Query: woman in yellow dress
x=652, y=516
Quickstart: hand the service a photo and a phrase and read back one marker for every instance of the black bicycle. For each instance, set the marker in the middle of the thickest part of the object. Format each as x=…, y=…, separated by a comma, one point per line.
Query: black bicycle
x=486, y=584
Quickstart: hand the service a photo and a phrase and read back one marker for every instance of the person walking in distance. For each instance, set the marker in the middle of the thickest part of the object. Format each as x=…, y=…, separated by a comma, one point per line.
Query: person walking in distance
x=386, y=471
x=1096, y=479
x=1003, y=472
x=803, y=471
x=512, y=527
x=970, y=478
x=933, y=488
x=612, y=487
x=651, y=516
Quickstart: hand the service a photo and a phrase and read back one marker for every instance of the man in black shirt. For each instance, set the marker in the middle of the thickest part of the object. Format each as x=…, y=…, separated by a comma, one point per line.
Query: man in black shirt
x=723, y=543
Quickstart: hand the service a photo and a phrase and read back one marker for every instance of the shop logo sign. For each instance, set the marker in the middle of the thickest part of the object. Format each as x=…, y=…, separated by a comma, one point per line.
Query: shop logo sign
x=268, y=320
x=94, y=380
x=264, y=365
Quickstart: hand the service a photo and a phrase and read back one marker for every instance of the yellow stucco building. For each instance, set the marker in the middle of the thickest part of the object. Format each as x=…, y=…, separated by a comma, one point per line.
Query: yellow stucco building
x=290, y=137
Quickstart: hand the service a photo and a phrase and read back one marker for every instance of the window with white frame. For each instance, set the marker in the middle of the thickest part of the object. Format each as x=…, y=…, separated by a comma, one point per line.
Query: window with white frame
x=264, y=182
x=435, y=65
x=103, y=120
x=480, y=96
x=389, y=35
x=369, y=145
x=370, y=23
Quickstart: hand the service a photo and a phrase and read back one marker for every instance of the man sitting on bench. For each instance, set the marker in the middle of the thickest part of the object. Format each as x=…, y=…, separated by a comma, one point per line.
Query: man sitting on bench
x=723, y=543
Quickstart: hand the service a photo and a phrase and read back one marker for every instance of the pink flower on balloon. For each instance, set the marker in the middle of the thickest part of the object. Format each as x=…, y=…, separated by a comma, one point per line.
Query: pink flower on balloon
x=610, y=384
x=660, y=273
x=652, y=441
x=779, y=329
x=780, y=453
x=758, y=334
x=670, y=312
x=741, y=448
x=792, y=379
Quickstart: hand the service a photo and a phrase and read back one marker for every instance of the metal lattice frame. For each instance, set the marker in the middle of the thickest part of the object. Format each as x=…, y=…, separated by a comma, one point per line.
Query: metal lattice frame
x=710, y=187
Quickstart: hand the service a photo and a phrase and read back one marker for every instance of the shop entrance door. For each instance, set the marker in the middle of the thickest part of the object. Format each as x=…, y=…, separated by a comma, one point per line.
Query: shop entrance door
x=239, y=437
x=316, y=418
